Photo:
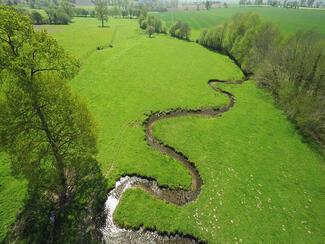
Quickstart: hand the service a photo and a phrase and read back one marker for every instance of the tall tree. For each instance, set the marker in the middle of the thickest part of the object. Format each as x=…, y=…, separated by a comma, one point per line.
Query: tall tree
x=150, y=30
x=101, y=9
x=67, y=7
x=48, y=133
x=310, y=3
x=208, y=5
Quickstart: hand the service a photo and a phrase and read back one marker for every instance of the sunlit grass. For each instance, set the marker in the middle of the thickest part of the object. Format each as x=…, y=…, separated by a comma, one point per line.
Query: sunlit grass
x=289, y=20
x=12, y=193
x=261, y=182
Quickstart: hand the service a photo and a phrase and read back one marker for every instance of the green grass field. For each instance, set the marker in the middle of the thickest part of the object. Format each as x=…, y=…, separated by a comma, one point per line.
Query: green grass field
x=289, y=20
x=12, y=192
x=262, y=183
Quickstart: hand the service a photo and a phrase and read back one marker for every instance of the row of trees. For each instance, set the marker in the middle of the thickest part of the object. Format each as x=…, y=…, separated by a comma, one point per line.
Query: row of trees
x=180, y=30
x=291, y=67
x=49, y=135
x=62, y=11
x=56, y=14
x=59, y=15
x=153, y=25
x=284, y=3
x=294, y=72
x=102, y=11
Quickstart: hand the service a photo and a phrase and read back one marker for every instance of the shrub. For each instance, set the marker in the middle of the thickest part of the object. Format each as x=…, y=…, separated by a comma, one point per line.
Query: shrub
x=115, y=11
x=141, y=19
x=81, y=12
x=150, y=30
x=57, y=16
x=37, y=18
x=180, y=30
x=143, y=24
x=156, y=24
x=62, y=17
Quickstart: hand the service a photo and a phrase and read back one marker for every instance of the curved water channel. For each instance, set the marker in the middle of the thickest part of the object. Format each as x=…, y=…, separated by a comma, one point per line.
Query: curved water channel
x=113, y=233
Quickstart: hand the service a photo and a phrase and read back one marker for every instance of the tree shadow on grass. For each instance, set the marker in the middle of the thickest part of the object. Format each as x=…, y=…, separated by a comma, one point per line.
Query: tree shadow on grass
x=79, y=221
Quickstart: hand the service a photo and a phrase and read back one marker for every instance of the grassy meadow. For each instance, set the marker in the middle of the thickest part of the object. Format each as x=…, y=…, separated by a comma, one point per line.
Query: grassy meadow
x=262, y=183
x=12, y=193
x=289, y=20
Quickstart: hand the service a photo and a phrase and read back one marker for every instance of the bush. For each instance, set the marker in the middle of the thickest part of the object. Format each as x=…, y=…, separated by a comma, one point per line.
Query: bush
x=180, y=30
x=58, y=16
x=125, y=13
x=62, y=17
x=144, y=25
x=141, y=19
x=23, y=11
x=294, y=73
x=150, y=30
x=37, y=18
x=115, y=11
x=155, y=24
x=81, y=12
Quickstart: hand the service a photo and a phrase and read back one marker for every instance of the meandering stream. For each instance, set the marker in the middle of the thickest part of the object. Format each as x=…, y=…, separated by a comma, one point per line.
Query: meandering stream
x=113, y=233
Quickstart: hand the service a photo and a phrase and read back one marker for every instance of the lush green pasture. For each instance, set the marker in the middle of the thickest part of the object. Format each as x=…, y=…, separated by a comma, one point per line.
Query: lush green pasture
x=261, y=182
x=139, y=75
x=12, y=192
x=289, y=20
x=82, y=37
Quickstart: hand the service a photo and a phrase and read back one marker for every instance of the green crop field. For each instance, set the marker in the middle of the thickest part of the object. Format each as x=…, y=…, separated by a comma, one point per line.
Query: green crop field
x=262, y=183
x=289, y=20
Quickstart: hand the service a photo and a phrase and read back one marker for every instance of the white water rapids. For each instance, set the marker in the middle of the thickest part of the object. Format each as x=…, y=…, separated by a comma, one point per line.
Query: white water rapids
x=113, y=234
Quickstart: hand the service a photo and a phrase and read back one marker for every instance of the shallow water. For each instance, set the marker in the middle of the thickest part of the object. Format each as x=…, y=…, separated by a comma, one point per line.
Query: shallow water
x=113, y=234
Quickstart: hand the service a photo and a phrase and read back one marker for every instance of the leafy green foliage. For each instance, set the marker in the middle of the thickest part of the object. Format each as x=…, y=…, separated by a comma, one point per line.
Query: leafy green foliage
x=36, y=17
x=292, y=69
x=294, y=73
x=245, y=37
x=254, y=138
x=49, y=135
x=180, y=30
x=151, y=24
x=252, y=149
x=101, y=10
x=207, y=5
x=83, y=12
x=57, y=16
x=142, y=22
x=150, y=30
x=67, y=7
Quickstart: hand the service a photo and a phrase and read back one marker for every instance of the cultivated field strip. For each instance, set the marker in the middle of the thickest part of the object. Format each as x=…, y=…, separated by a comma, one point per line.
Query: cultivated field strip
x=113, y=233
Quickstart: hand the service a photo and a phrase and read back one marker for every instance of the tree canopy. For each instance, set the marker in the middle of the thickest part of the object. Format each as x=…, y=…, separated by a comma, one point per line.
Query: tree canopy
x=49, y=135
x=101, y=10
x=180, y=30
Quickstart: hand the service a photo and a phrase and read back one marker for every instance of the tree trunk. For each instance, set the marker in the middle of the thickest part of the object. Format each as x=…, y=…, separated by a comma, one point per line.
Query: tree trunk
x=102, y=21
x=58, y=158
